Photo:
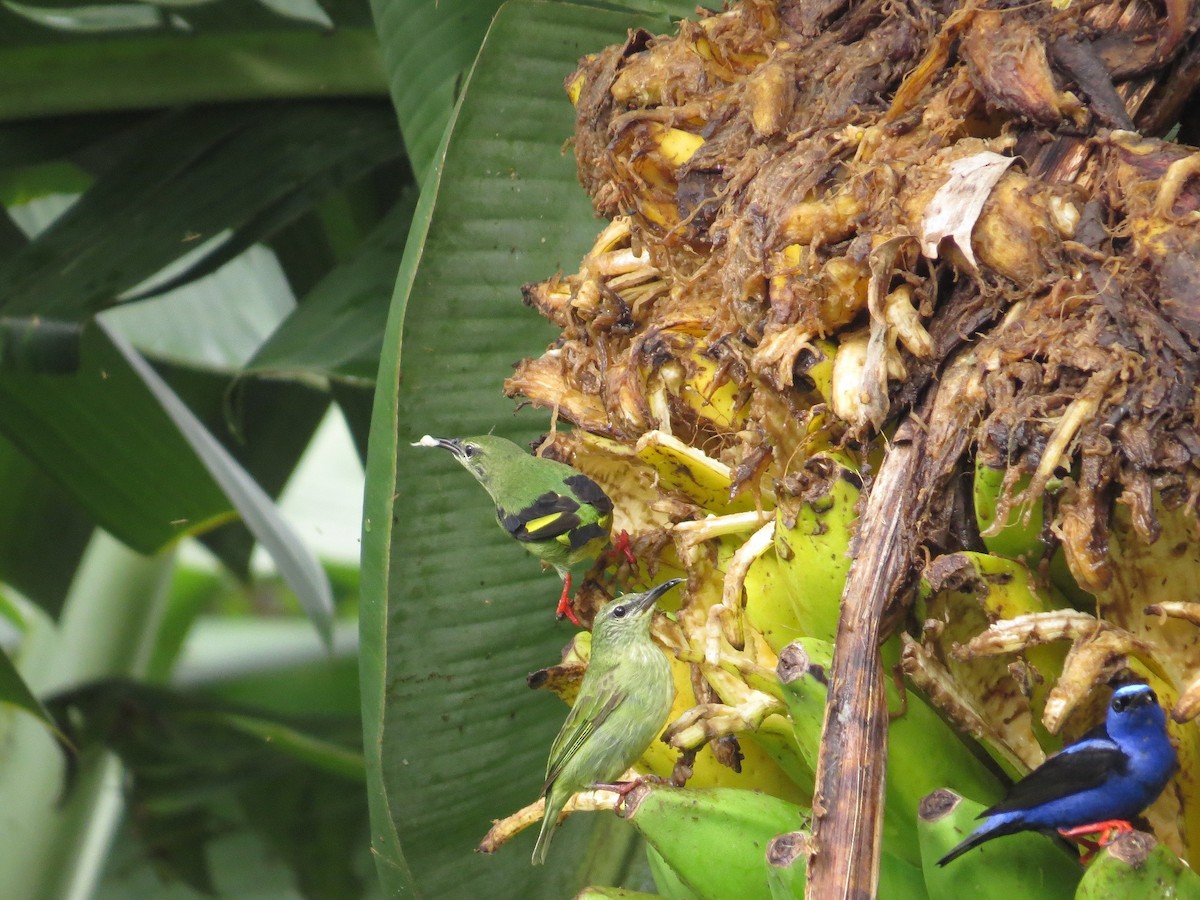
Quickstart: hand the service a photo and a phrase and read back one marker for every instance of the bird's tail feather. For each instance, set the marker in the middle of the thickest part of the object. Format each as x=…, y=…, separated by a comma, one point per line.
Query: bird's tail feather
x=549, y=826
x=992, y=828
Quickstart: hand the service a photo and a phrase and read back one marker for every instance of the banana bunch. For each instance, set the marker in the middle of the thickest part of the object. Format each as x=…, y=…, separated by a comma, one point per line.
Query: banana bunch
x=805, y=223
x=760, y=580
x=1004, y=644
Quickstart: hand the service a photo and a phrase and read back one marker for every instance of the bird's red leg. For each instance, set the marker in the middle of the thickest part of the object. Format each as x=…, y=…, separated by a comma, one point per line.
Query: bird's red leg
x=1106, y=829
x=564, y=603
x=621, y=545
x=623, y=788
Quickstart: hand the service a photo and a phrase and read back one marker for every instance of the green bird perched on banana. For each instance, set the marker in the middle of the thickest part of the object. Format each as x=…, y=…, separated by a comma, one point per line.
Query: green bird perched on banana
x=623, y=704
x=560, y=515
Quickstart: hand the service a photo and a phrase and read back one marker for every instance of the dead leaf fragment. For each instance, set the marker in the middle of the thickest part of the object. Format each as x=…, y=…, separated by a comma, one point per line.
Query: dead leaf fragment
x=955, y=208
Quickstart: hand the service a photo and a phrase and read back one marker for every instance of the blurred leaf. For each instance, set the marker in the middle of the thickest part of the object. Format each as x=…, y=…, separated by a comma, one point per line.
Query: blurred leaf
x=425, y=84
x=337, y=330
x=355, y=403
x=103, y=437
x=36, y=141
x=108, y=625
x=15, y=692
x=21, y=184
x=319, y=849
x=207, y=330
x=187, y=757
x=12, y=239
x=214, y=324
x=43, y=532
x=62, y=57
x=296, y=563
x=265, y=424
x=301, y=10
x=33, y=344
x=192, y=175
x=274, y=664
x=332, y=758
x=192, y=591
x=92, y=18
x=454, y=616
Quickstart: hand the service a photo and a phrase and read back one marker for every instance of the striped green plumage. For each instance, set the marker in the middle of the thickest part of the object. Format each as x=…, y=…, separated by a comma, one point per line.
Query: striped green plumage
x=560, y=515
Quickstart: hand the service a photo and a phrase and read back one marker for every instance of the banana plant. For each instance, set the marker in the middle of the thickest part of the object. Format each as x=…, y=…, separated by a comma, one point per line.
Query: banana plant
x=768, y=405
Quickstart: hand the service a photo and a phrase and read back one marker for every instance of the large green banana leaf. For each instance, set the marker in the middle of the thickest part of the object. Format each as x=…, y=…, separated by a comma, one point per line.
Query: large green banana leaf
x=454, y=615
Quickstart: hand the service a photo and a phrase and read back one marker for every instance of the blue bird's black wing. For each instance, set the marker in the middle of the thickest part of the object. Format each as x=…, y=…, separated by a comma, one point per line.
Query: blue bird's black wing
x=1080, y=767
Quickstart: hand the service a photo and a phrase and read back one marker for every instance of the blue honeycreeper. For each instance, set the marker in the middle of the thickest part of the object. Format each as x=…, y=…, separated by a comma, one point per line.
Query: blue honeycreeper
x=1108, y=776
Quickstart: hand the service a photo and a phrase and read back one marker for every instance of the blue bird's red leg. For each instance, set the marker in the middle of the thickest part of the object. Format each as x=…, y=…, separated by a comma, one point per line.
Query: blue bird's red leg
x=564, y=603
x=1107, y=830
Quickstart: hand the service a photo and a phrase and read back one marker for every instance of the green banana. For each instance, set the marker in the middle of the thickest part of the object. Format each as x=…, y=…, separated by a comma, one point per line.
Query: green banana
x=666, y=882
x=787, y=865
x=1004, y=869
x=968, y=592
x=900, y=878
x=1137, y=867
x=797, y=589
x=1025, y=684
x=714, y=839
x=923, y=752
x=804, y=671
x=1016, y=537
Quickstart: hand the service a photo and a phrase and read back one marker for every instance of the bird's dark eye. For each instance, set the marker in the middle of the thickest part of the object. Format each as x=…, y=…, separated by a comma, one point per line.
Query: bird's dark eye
x=1119, y=703
x=619, y=612
x=469, y=450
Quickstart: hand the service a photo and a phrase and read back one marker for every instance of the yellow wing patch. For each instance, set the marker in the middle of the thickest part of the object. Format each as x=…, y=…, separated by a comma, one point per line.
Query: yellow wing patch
x=535, y=525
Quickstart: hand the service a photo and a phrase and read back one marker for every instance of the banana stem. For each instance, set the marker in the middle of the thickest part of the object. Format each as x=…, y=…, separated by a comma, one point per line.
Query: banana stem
x=913, y=482
x=504, y=830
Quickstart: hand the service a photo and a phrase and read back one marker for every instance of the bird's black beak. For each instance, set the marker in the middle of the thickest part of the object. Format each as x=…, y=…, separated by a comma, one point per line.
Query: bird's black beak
x=648, y=599
x=454, y=445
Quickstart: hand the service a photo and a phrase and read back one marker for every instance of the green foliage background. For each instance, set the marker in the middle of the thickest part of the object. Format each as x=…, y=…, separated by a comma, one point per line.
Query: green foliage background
x=208, y=205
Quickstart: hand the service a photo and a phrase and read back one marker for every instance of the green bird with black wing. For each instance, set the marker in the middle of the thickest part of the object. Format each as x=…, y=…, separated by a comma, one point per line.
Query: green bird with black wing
x=623, y=703
x=557, y=513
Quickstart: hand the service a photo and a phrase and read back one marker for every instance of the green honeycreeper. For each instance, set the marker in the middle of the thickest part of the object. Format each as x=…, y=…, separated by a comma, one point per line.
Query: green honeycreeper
x=557, y=513
x=623, y=704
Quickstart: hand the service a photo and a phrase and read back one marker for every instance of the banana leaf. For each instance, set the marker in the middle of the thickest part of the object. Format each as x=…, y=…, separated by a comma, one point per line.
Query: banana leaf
x=453, y=615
